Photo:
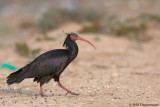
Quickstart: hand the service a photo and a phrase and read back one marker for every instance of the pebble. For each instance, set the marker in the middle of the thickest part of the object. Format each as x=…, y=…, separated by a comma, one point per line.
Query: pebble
x=81, y=87
x=149, y=86
x=89, y=92
x=114, y=75
x=14, y=87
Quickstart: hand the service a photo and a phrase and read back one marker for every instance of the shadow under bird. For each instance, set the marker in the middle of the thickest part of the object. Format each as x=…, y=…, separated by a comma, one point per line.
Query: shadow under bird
x=49, y=65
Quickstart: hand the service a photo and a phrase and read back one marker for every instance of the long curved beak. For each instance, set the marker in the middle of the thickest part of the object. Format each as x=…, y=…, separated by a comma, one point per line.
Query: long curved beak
x=80, y=38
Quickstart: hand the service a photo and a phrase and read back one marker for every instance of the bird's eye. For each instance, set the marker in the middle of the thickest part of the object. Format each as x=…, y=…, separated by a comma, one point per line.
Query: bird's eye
x=74, y=35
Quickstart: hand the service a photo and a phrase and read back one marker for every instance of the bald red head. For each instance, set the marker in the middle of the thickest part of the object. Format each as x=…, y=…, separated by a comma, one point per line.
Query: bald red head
x=75, y=37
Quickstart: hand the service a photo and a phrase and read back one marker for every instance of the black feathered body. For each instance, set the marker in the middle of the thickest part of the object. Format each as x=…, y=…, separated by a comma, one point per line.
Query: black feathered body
x=48, y=65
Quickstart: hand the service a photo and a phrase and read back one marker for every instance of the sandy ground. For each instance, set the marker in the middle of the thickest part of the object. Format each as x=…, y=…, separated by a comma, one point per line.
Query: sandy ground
x=119, y=73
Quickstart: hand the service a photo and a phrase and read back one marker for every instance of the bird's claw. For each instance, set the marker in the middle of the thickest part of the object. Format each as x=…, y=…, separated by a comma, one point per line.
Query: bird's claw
x=43, y=95
x=72, y=93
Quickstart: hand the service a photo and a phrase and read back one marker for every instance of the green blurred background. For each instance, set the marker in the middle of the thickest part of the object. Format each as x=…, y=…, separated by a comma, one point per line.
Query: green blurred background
x=20, y=19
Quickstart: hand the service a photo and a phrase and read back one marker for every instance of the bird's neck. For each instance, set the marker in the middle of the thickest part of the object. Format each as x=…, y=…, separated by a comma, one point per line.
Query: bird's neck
x=73, y=50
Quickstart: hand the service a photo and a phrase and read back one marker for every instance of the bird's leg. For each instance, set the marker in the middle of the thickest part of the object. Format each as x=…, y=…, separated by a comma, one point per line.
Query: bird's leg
x=68, y=91
x=41, y=91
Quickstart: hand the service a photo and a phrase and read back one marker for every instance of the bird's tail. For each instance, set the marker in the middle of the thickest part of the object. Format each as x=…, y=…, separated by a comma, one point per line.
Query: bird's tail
x=16, y=77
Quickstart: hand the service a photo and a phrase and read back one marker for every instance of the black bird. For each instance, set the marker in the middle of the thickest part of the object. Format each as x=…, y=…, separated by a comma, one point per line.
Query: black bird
x=49, y=65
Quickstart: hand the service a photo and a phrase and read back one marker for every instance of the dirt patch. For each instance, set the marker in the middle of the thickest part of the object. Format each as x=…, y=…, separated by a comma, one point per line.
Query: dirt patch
x=136, y=67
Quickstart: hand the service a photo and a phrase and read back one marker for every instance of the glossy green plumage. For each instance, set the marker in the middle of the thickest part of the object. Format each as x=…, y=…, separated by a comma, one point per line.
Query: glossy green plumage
x=48, y=65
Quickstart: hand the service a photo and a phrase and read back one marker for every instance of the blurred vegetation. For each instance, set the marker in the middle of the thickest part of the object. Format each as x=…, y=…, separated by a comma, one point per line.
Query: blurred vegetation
x=129, y=28
x=53, y=18
x=6, y=29
x=27, y=25
x=150, y=17
x=132, y=28
x=94, y=28
x=46, y=38
x=24, y=50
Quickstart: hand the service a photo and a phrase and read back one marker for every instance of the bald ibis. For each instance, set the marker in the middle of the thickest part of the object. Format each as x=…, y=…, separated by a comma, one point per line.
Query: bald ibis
x=49, y=65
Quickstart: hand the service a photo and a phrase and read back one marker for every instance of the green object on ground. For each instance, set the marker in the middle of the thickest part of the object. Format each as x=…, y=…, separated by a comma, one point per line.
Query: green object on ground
x=9, y=66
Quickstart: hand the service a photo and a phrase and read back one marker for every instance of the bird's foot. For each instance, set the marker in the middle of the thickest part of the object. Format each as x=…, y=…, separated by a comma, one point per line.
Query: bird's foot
x=68, y=91
x=72, y=93
x=43, y=95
